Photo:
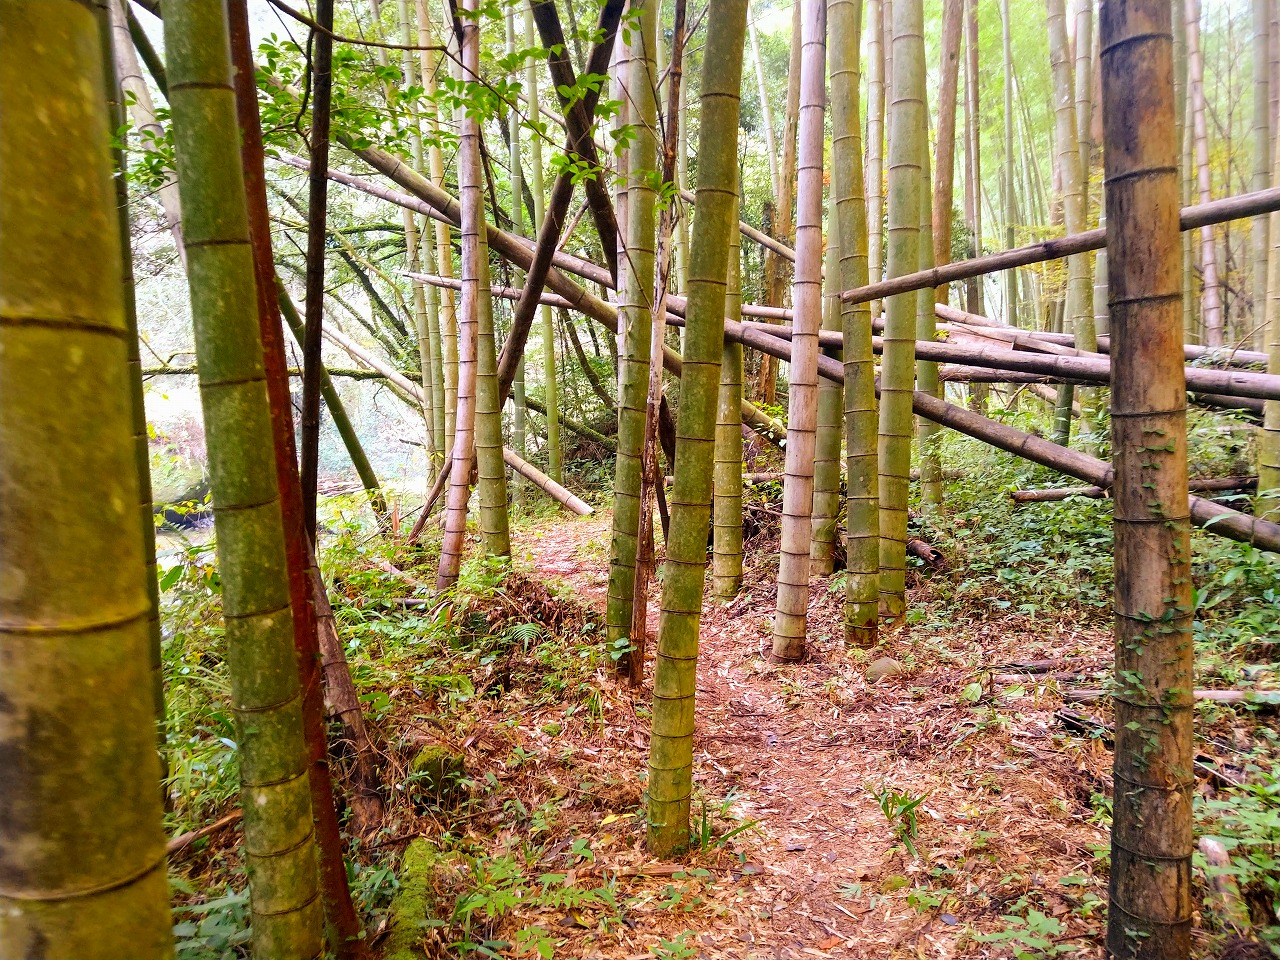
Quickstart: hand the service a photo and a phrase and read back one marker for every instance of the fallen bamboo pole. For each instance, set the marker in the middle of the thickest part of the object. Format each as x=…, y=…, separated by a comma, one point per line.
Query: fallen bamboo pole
x=548, y=486
x=1211, y=516
x=1200, y=215
x=1218, y=355
x=1200, y=485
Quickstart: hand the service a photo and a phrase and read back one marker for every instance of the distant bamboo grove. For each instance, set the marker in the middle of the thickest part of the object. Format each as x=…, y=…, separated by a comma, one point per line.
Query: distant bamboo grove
x=762, y=241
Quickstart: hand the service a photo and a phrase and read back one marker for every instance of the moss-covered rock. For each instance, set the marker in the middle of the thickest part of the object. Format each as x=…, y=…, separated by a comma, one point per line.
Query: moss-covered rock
x=437, y=774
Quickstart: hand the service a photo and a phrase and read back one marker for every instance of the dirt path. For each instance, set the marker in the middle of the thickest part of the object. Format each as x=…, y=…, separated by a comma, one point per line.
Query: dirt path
x=1005, y=818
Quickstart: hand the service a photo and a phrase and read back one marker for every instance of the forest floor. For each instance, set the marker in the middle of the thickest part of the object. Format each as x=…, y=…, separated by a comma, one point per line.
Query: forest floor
x=957, y=807
x=825, y=767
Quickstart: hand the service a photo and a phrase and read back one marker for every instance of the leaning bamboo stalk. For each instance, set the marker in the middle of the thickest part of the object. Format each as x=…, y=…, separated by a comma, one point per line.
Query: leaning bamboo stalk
x=1051, y=495
x=790, y=619
x=279, y=835
x=1191, y=218
x=544, y=483
x=428, y=196
x=82, y=846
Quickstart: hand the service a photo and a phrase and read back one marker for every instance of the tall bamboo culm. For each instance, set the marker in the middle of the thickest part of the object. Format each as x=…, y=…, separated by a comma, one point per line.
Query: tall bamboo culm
x=1261, y=149
x=550, y=383
x=636, y=266
x=860, y=412
x=1268, y=438
x=1211, y=290
x=125, y=82
x=675, y=676
x=82, y=852
x=447, y=321
x=1151, y=840
x=790, y=619
x=873, y=178
x=726, y=563
x=279, y=843
x=826, y=464
x=897, y=378
x=928, y=433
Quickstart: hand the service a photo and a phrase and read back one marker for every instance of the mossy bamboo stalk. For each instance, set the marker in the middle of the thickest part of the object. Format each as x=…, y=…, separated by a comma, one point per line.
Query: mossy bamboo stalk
x=726, y=563
x=826, y=466
x=279, y=844
x=1007, y=198
x=852, y=221
x=897, y=370
x=1151, y=837
x=323, y=673
x=82, y=852
x=636, y=266
x=675, y=678
x=790, y=618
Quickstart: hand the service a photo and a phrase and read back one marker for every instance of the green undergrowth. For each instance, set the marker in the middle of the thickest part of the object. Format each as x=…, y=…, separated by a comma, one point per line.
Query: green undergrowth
x=497, y=683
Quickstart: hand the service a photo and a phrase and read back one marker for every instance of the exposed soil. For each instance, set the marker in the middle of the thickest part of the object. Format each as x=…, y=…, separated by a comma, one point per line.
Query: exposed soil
x=798, y=749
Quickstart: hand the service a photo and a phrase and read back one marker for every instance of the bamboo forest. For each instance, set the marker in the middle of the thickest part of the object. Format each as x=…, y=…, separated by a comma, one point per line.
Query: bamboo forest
x=639, y=479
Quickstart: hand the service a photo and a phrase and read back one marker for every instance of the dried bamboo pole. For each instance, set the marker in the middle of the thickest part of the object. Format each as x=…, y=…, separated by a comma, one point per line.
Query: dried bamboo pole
x=790, y=618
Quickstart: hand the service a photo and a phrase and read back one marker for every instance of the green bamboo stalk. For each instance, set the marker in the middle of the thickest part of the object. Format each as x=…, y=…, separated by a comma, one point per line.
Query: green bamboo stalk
x=516, y=175
x=124, y=82
x=1268, y=438
x=874, y=177
x=897, y=378
x=1008, y=198
x=927, y=432
x=82, y=853
x=279, y=842
x=1150, y=912
x=636, y=264
x=428, y=334
x=550, y=382
x=726, y=562
x=826, y=466
x=1078, y=314
x=860, y=412
x=445, y=323
x=790, y=619
x=675, y=676
x=1261, y=148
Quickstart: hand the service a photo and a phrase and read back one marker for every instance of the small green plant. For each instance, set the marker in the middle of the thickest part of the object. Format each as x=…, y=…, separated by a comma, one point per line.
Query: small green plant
x=217, y=929
x=1030, y=937
x=899, y=808
x=677, y=948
